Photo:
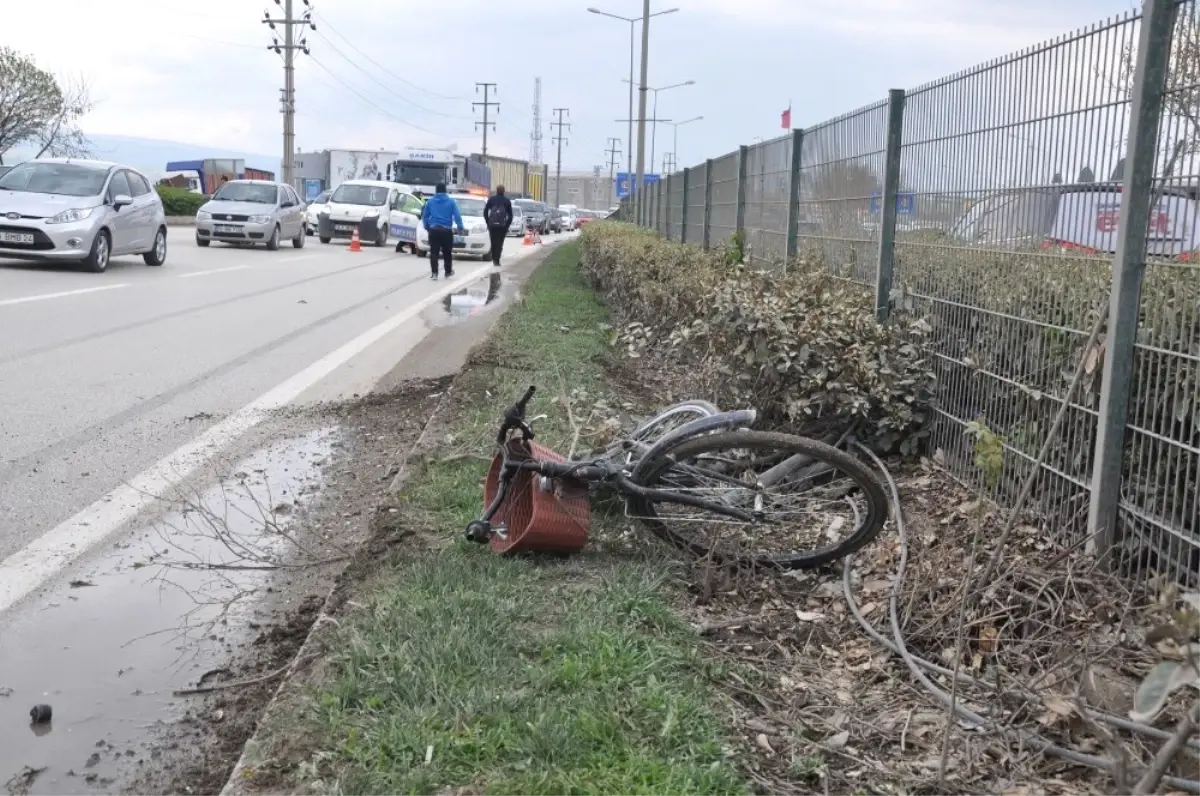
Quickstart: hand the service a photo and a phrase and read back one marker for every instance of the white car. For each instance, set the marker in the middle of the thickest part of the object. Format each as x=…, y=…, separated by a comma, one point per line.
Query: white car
x=517, y=230
x=369, y=206
x=317, y=206
x=476, y=242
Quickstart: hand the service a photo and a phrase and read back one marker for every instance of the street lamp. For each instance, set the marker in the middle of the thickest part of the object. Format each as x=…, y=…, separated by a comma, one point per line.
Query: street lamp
x=632, y=51
x=675, y=142
x=654, y=113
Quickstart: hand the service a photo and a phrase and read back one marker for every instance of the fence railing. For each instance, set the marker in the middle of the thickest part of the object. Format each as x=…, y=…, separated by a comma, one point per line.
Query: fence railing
x=1008, y=211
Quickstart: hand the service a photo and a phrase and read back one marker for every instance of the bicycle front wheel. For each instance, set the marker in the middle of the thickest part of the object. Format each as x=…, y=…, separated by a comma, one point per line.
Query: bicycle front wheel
x=824, y=504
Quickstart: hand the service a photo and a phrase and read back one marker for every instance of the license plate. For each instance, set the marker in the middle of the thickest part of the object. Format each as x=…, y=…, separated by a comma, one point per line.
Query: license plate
x=343, y=227
x=228, y=228
x=459, y=240
x=16, y=237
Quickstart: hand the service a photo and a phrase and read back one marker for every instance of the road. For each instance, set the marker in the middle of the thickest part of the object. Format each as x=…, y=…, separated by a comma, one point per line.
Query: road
x=104, y=375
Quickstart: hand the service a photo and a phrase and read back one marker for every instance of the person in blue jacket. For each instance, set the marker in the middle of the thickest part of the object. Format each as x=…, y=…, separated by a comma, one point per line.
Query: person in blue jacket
x=441, y=217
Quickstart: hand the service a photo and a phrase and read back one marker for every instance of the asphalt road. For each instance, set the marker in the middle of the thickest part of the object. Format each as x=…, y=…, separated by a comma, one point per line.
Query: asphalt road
x=101, y=375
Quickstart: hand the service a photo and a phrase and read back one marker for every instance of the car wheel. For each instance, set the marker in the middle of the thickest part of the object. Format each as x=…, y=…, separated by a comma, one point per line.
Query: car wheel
x=381, y=237
x=157, y=255
x=202, y=242
x=97, y=259
x=298, y=241
x=325, y=240
x=422, y=253
x=273, y=243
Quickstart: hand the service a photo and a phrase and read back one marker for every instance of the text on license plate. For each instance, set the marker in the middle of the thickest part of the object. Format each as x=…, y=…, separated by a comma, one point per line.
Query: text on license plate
x=343, y=227
x=16, y=237
x=459, y=240
x=228, y=228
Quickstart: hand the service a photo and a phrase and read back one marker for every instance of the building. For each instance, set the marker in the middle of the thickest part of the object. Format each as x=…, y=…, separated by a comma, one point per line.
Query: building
x=591, y=190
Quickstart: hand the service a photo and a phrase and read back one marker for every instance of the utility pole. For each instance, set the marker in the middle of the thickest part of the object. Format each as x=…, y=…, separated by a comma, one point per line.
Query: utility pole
x=291, y=43
x=485, y=105
x=641, y=146
x=535, y=137
x=560, y=140
x=613, y=151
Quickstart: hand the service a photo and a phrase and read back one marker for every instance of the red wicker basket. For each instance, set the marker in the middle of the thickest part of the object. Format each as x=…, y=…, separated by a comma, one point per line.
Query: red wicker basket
x=556, y=521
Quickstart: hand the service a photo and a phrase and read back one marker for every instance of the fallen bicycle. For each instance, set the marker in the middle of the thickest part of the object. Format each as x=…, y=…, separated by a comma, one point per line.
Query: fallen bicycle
x=713, y=464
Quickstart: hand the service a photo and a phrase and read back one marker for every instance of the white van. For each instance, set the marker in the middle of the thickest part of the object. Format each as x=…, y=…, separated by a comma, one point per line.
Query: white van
x=376, y=209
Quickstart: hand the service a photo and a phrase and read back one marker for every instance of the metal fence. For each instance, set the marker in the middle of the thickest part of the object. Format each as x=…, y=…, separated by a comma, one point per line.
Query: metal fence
x=1035, y=221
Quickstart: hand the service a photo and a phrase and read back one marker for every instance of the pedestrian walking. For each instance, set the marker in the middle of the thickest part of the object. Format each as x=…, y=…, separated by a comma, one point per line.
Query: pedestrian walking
x=441, y=217
x=499, y=217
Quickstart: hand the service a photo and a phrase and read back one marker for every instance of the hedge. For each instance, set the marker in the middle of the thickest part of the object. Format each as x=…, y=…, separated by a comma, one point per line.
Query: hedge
x=180, y=202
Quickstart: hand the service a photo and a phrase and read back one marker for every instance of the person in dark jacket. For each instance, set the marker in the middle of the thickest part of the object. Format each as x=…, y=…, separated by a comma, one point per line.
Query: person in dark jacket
x=438, y=216
x=499, y=217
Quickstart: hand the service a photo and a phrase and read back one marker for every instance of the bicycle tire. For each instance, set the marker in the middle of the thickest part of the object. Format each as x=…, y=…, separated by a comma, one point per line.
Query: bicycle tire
x=877, y=512
x=702, y=409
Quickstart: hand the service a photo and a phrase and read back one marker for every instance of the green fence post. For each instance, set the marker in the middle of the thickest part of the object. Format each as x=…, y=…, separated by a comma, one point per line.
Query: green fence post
x=743, y=157
x=887, y=206
x=708, y=183
x=793, y=215
x=683, y=221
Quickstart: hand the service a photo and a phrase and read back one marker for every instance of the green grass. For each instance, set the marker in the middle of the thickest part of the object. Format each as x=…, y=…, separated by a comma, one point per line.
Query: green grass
x=520, y=676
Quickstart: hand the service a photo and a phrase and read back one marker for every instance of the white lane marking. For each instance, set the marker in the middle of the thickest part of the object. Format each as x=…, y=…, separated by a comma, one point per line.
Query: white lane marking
x=63, y=294
x=213, y=271
x=38, y=562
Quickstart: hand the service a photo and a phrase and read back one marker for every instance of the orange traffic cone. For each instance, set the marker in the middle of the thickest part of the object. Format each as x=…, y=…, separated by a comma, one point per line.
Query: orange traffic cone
x=529, y=237
x=355, y=243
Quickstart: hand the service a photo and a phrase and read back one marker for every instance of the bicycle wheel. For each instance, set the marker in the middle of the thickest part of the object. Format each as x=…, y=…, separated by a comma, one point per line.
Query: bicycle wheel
x=844, y=495
x=672, y=417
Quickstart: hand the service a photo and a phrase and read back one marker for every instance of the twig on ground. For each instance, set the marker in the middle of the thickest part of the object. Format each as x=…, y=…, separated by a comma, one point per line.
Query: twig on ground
x=208, y=689
x=1162, y=760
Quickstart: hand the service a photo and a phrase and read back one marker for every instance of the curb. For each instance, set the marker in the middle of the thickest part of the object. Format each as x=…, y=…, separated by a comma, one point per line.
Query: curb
x=238, y=773
x=181, y=221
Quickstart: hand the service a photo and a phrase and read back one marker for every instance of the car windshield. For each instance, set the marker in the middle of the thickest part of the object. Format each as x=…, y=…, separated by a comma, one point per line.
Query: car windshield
x=526, y=205
x=369, y=195
x=418, y=173
x=60, y=179
x=322, y=198
x=469, y=207
x=246, y=192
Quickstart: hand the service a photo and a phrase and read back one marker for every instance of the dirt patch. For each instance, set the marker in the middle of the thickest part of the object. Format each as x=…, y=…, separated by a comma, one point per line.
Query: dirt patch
x=197, y=754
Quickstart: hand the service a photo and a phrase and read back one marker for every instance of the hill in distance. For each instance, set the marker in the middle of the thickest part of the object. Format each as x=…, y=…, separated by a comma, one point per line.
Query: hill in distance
x=151, y=155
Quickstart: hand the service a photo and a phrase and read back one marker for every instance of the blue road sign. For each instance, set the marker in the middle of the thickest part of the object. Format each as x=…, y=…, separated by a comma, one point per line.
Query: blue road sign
x=906, y=204
x=312, y=189
x=624, y=181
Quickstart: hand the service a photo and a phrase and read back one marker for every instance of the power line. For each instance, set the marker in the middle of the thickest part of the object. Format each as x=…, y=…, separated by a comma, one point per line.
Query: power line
x=485, y=105
x=385, y=86
x=291, y=43
x=384, y=69
x=383, y=111
x=560, y=140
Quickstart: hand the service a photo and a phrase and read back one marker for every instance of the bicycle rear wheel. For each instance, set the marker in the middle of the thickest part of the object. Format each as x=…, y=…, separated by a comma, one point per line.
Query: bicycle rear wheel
x=846, y=503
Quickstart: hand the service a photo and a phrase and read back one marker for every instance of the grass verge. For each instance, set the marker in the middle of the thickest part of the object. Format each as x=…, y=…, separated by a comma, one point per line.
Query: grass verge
x=465, y=671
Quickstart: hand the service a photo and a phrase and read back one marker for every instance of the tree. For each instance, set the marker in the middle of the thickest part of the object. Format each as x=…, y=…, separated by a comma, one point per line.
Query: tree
x=37, y=111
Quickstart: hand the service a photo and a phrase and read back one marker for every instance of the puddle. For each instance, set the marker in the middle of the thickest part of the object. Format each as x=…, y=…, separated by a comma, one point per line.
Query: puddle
x=473, y=300
x=107, y=647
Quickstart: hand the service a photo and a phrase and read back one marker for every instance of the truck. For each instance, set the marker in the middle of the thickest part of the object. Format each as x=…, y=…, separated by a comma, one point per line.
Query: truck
x=422, y=169
x=327, y=169
x=209, y=172
x=513, y=174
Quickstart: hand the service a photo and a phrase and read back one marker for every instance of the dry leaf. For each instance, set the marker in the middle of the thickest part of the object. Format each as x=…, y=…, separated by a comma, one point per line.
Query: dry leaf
x=809, y=616
x=838, y=741
x=989, y=638
x=763, y=743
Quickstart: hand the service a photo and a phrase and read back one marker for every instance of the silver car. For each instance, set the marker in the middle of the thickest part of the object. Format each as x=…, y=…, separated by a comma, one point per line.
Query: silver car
x=252, y=211
x=84, y=211
x=517, y=229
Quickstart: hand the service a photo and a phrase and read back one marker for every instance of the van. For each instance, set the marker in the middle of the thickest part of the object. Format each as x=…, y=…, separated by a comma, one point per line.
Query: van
x=374, y=208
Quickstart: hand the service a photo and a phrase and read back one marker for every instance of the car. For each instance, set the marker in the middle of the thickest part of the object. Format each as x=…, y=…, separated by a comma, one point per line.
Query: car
x=570, y=217
x=476, y=242
x=536, y=215
x=557, y=220
x=368, y=207
x=250, y=212
x=82, y=211
x=517, y=228
x=5, y=170
x=583, y=217
x=318, y=205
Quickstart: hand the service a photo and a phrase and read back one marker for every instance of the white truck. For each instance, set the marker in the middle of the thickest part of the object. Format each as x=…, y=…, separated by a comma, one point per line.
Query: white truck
x=424, y=168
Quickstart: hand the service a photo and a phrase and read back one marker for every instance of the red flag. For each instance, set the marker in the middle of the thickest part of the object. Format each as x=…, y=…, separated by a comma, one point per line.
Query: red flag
x=785, y=119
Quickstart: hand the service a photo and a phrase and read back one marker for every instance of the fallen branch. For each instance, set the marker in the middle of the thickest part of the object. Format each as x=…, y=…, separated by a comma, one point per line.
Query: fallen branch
x=1162, y=761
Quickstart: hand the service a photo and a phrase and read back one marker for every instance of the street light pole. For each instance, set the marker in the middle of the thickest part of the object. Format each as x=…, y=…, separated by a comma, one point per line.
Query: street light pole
x=675, y=142
x=641, y=155
x=654, y=115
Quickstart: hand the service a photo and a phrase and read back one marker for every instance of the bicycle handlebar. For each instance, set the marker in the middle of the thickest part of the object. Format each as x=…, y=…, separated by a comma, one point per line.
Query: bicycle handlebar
x=514, y=417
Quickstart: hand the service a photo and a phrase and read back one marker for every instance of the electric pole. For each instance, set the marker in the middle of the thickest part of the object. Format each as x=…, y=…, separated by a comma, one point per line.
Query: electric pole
x=291, y=43
x=485, y=105
x=560, y=140
x=535, y=137
x=641, y=145
x=613, y=151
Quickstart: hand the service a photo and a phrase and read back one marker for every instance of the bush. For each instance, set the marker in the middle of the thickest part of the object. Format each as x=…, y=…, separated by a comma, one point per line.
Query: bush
x=803, y=348
x=178, y=201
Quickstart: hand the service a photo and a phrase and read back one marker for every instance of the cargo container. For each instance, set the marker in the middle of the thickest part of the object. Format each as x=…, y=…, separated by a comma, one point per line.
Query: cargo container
x=258, y=174
x=212, y=170
x=332, y=167
x=513, y=174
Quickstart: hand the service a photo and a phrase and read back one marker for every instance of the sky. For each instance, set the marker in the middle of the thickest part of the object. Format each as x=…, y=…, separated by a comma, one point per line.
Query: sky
x=384, y=74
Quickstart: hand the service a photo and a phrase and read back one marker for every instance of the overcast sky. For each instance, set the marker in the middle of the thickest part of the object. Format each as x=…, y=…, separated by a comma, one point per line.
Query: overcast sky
x=199, y=71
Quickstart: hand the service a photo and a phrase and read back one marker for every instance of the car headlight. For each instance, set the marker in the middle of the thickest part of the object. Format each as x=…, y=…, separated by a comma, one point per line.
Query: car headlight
x=260, y=219
x=203, y=215
x=479, y=229
x=71, y=216
x=371, y=214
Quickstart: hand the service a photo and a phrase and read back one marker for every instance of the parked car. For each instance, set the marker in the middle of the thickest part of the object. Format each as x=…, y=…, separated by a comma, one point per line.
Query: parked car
x=368, y=206
x=249, y=212
x=476, y=242
x=84, y=211
x=320, y=204
x=536, y=215
x=583, y=217
x=5, y=170
x=517, y=229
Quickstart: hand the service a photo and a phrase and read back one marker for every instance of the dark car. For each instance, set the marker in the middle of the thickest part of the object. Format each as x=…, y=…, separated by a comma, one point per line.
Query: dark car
x=537, y=215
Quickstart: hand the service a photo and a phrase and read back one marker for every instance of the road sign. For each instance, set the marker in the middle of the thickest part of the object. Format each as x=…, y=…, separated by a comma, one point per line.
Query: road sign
x=906, y=204
x=624, y=181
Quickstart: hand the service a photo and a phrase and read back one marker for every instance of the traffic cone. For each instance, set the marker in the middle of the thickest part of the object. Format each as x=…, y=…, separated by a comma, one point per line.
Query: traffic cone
x=529, y=237
x=355, y=243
